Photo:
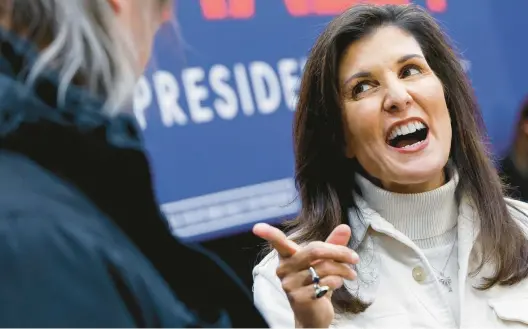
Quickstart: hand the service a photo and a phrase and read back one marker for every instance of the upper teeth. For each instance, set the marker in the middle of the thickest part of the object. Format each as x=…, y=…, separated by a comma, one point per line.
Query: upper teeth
x=405, y=129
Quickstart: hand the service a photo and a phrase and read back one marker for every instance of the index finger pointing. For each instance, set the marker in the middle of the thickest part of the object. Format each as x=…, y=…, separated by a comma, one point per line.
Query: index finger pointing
x=280, y=242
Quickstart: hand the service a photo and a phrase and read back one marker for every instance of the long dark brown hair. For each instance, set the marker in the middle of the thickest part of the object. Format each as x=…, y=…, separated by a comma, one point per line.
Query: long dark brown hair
x=324, y=176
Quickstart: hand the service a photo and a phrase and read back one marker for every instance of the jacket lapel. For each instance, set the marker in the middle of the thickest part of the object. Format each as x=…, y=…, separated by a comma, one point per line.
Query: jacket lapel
x=468, y=229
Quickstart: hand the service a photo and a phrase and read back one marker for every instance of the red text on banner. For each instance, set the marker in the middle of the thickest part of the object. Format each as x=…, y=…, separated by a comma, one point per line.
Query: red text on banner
x=335, y=7
x=245, y=9
x=227, y=9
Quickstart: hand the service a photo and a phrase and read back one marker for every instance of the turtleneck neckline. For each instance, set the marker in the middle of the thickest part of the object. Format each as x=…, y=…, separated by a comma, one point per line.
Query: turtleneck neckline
x=428, y=218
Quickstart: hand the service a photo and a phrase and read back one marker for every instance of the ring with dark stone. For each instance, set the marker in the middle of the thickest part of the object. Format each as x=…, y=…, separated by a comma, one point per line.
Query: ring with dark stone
x=320, y=291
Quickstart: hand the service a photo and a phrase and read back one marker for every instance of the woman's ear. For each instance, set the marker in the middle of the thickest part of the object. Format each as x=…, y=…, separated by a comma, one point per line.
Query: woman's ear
x=116, y=5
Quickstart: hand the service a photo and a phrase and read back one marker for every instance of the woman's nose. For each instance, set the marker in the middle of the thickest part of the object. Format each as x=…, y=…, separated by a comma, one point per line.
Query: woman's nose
x=397, y=97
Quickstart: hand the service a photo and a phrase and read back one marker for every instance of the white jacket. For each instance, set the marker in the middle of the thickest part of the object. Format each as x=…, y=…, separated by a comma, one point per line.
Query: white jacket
x=398, y=300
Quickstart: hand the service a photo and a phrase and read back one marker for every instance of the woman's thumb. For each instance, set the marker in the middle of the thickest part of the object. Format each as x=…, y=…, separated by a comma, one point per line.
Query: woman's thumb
x=340, y=235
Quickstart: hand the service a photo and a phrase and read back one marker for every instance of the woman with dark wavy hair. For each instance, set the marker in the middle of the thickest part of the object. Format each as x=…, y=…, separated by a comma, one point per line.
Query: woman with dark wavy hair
x=403, y=221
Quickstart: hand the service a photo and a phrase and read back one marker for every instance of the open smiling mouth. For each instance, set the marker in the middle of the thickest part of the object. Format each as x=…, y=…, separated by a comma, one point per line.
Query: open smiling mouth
x=408, y=135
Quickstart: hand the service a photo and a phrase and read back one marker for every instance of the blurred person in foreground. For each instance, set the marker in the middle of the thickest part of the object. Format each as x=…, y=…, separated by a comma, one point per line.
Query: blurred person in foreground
x=403, y=223
x=514, y=167
x=82, y=240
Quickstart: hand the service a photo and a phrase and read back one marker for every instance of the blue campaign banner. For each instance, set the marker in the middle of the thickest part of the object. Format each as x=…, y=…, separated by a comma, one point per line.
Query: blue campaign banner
x=217, y=101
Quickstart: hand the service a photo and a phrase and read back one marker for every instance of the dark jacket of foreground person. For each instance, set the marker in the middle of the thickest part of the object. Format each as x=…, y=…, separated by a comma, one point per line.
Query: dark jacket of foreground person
x=82, y=240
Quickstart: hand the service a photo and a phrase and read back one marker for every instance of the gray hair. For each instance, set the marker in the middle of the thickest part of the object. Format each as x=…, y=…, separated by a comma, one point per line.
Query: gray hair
x=83, y=41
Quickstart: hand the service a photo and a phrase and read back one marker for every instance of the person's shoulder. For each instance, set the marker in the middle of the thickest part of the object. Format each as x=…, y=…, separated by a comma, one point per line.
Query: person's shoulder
x=16, y=167
x=520, y=206
x=48, y=220
x=516, y=203
x=27, y=185
x=68, y=259
x=52, y=235
x=519, y=211
x=31, y=196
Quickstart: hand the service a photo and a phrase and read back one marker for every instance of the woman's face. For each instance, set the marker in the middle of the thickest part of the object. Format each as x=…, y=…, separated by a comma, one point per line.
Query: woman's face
x=396, y=120
x=142, y=19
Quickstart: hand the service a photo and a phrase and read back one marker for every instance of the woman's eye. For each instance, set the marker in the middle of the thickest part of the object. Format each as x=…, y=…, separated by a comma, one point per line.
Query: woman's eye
x=409, y=71
x=360, y=88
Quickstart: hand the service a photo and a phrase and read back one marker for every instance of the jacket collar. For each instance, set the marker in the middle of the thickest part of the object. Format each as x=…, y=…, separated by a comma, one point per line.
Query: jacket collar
x=363, y=219
x=22, y=104
x=362, y=216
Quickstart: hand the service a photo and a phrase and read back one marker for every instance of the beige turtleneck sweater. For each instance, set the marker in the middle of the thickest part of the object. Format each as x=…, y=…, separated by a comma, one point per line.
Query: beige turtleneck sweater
x=429, y=219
